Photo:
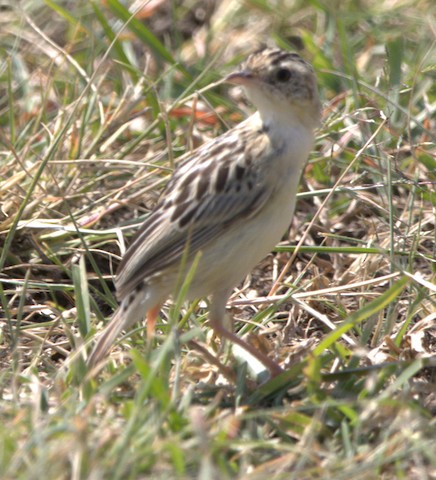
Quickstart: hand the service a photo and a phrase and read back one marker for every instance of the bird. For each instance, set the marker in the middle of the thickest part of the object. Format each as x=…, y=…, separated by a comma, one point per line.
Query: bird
x=227, y=204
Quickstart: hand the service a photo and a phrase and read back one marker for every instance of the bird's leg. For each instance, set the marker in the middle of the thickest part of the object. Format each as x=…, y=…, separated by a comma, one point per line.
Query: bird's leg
x=269, y=363
x=217, y=316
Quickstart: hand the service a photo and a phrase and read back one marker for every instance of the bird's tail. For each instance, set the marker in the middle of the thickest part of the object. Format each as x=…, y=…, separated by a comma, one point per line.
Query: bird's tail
x=131, y=311
x=106, y=339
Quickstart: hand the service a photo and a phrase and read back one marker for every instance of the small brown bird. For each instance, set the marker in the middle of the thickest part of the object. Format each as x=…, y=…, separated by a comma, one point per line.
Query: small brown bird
x=231, y=200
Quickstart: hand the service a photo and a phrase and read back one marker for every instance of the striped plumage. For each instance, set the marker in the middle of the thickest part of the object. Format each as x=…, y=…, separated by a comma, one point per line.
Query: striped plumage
x=231, y=200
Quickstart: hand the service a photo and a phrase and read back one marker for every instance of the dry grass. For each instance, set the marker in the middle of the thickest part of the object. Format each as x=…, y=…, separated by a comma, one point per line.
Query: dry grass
x=95, y=109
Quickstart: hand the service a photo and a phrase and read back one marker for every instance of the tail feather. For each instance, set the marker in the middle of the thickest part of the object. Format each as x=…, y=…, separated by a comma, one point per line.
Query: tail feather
x=124, y=317
x=106, y=339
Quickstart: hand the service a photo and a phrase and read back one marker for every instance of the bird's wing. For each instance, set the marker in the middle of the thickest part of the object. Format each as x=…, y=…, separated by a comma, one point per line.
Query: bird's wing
x=213, y=189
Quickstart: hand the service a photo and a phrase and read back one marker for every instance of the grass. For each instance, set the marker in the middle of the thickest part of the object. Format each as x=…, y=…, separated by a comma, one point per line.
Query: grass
x=95, y=108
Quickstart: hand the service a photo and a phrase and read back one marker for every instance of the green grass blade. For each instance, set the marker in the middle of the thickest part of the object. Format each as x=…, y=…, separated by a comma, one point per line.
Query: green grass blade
x=383, y=301
x=142, y=32
x=80, y=281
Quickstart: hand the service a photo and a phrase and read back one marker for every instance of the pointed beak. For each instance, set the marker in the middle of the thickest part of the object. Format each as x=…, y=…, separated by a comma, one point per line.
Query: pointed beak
x=240, y=78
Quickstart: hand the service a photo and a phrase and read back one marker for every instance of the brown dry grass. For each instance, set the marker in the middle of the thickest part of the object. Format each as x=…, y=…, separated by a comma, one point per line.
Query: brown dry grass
x=94, y=116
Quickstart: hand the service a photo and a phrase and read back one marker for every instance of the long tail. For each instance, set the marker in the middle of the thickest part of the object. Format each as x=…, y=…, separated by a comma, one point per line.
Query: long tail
x=131, y=311
x=106, y=339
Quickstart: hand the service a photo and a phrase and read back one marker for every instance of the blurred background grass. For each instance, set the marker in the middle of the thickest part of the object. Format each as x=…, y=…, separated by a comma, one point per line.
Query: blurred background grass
x=98, y=100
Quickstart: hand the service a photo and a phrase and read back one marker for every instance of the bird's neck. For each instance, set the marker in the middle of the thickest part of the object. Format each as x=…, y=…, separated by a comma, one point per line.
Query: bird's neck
x=288, y=118
x=285, y=115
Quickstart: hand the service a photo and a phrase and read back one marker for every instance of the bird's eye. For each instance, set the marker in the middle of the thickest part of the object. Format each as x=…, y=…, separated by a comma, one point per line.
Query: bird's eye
x=283, y=75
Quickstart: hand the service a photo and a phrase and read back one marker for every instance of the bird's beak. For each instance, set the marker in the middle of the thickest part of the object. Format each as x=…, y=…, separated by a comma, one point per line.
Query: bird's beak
x=239, y=78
